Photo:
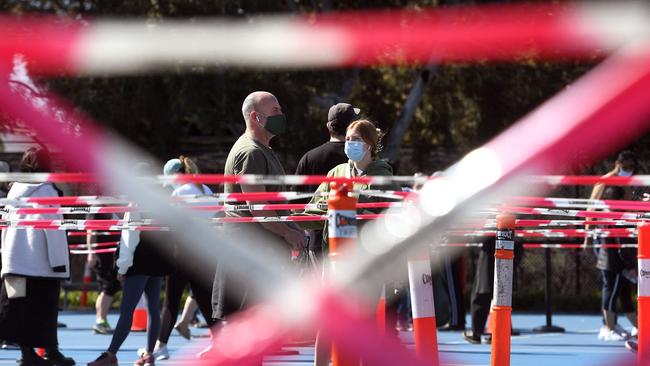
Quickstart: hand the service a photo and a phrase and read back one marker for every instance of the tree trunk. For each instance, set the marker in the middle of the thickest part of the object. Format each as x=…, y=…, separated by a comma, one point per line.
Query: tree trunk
x=396, y=135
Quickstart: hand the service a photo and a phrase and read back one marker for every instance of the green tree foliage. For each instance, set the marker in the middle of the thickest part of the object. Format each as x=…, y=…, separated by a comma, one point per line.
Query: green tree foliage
x=464, y=104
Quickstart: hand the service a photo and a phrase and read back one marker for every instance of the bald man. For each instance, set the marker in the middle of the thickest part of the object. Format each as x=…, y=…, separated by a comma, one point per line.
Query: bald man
x=251, y=154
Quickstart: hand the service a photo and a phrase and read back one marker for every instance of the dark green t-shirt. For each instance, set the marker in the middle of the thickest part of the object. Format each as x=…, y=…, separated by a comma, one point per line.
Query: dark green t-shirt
x=248, y=156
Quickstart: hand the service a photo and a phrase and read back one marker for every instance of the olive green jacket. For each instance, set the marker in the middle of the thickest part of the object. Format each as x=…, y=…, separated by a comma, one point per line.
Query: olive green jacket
x=375, y=168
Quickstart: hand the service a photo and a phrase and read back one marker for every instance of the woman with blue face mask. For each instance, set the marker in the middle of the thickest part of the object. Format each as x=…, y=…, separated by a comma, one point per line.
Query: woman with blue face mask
x=362, y=146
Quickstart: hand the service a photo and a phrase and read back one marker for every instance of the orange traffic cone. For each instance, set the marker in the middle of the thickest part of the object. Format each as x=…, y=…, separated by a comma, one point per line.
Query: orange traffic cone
x=139, y=323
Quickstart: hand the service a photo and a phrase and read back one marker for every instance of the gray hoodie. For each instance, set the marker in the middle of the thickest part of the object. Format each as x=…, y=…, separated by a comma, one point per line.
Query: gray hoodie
x=34, y=252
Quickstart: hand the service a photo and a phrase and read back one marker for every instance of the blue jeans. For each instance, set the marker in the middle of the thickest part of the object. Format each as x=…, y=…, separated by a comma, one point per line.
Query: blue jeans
x=132, y=290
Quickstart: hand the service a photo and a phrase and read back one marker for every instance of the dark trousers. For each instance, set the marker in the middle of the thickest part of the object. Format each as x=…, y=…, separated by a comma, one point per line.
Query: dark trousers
x=31, y=320
x=202, y=293
x=452, y=276
x=480, y=310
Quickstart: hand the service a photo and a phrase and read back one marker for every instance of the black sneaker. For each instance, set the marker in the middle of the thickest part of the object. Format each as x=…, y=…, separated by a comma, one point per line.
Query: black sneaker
x=472, y=338
x=34, y=360
x=632, y=346
x=58, y=359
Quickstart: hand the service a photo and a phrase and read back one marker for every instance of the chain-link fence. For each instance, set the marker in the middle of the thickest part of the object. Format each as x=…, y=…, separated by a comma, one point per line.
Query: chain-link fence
x=576, y=283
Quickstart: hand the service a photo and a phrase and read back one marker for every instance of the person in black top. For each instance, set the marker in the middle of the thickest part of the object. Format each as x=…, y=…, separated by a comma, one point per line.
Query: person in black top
x=320, y=160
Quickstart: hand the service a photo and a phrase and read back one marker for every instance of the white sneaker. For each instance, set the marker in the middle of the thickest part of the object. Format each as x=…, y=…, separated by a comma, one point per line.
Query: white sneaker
x=612, y=336
x=207, y=354
x=622, y=332
x=634, y=332
x=603, y=332
x=160, y=354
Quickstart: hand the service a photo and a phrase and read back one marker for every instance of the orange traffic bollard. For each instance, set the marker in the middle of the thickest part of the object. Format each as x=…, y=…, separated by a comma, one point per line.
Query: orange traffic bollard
x=423, y=309
x=139, y=323
x=502, y=309
x=342, y=231
x=643, y=298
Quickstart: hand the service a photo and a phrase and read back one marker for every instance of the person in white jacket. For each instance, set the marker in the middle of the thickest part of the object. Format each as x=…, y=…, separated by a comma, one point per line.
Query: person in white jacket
x=33, y=263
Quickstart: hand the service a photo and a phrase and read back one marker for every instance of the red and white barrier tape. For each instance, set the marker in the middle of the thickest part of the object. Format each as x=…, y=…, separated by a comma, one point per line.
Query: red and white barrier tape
x=95, y=245
x=150, y=225
x=549, y=246
x=219, y=197
x=555, y=233
x=93, y=233
x=96, y=251
x=209, y=208
x=491, y=223
x=578, y=213
x=587, y=180
x=334, y=39
x=288, y=180
x=578, y=203
x=297, y=180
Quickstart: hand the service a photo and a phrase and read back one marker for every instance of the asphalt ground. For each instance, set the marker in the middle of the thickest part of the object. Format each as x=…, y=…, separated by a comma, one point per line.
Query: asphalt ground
x=578, y=346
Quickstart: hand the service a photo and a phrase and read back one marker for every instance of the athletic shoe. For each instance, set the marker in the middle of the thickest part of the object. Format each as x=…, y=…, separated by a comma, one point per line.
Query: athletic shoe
x=105, y=359
x=632, y=346
x=451, y=328
x=147, y=360
x=160, y=354
x=603, y=332
x=207, y=354
x=622, y=332
x=634, y=332
x=612, y=336
x=487, y=338
x=472, y=338
x=58, y=359
x=9, y=346
x=404, y=326
x=102, y=328
x=33, y=361
x=184, y=331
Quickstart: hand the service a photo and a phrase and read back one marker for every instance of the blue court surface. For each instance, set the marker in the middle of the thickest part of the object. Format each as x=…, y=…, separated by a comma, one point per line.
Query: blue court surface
x=579, y=345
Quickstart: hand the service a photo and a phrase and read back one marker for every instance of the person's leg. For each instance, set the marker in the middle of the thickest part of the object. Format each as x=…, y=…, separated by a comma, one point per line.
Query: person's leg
x=175, y=285
x=187, y=315
x=457, y=289
x=611, y=283
x=202, y=294
x=102, y=306
x=152, y=292
x=109, y=285
x=627, y=301
x=480, y=311
x=131, y=294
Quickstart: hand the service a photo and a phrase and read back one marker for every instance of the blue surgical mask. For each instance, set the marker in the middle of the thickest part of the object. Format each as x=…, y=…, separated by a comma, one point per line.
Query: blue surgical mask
x=625, y=173
x=355, y=150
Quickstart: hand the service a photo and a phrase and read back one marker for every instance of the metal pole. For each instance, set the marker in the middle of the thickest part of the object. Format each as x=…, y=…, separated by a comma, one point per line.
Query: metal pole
x=549, y=327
